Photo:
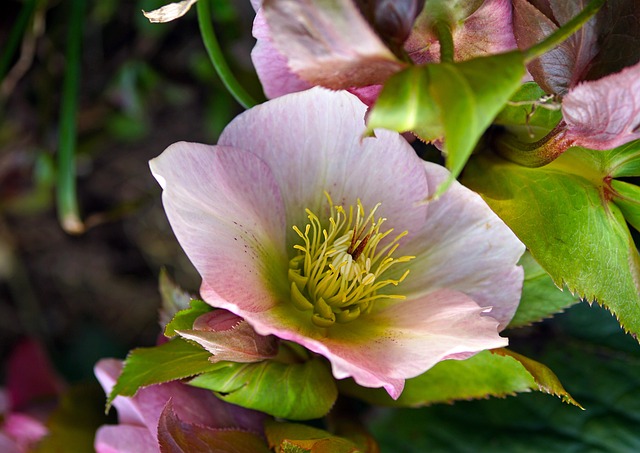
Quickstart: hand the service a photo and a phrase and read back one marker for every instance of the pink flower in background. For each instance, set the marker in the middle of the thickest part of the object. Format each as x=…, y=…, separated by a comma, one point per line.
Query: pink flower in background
x=303, y=44
x=316, y=235
x=32, y=388
x=139, y=416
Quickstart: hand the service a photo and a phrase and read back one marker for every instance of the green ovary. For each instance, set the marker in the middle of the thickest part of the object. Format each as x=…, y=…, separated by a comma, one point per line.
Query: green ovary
x=336, y=273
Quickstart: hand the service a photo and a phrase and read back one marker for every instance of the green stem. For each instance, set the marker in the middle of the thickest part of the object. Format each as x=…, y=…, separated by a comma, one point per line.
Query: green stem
x=21, y=23
x=68, y=212
x=536, y=154
x=443, y=31
x=563, y=32
x=217, y=58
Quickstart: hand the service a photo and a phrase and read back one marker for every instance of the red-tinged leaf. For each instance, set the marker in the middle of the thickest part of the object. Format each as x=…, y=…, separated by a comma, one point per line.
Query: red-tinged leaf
x=329, y=43
x=561, y=68
x=229, y=337
x=605, y=113
x=606, y=44
x=295, y=437
x=176, y=436
x=469, y=22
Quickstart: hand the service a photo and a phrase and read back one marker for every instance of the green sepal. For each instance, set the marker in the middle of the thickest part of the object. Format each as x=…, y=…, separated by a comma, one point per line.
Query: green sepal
x=627, y=197
x=457, y=101
x=489, y=373
x=176, y=359
x=296, y=391
x=183, y=320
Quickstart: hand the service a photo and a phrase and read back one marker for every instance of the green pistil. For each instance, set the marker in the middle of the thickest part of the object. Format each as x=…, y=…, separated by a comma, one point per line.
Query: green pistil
x=337, y=271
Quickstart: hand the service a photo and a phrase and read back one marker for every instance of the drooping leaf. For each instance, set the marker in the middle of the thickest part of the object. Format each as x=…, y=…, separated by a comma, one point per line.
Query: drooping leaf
x=541, y=298
x=457, y=101
x=605, y=113
x=185, y=318
x=488, y=373
x=294, y=437
x=566, y=216
x=329, y=43
x=176, y=359
x=601, y=369
x=177, y=436
x=229, y=337
x=297, y=391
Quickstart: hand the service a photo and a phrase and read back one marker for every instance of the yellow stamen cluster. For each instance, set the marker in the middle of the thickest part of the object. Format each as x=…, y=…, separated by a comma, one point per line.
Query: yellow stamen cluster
x=336, y=271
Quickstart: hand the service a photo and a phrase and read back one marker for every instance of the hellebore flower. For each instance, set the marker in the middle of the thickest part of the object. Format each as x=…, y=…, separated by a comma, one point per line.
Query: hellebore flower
x=32, y=389
x=139, y=416
x=333, y=44
x=315, y=235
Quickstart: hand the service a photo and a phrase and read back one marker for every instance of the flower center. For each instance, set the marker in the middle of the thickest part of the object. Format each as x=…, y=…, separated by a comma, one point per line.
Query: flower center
x=337, y=271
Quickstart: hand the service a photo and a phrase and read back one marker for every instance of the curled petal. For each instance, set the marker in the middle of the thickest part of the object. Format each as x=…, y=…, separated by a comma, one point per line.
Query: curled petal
x=605, y=113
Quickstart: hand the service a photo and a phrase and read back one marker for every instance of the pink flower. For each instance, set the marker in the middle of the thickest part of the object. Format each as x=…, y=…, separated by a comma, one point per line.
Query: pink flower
x=31, y=391
x=303, y=44
x=384, y=295
x=138, y=417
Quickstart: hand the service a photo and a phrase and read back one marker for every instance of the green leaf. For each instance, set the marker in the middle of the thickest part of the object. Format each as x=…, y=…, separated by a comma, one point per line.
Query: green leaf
x=624, y=160
x=627, y=198
x=183, y=320
x=294, y=437
x=541, y=298
x=530, y=114
x=564, y=214
x=488, y=373
x=177, y=436
x=455, y=100
x=297, y=391
x=606, y=379
x=176, y=359
x=72, y=425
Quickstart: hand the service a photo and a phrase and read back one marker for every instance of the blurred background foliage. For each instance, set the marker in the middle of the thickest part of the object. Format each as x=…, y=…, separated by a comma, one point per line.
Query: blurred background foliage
x=142, y=87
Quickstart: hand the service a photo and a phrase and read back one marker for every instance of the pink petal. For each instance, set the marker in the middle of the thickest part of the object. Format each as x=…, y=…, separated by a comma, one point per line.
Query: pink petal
x=488, y=30
x=125, y=439
x=225, y=209
x=466, y=247
x=107, y=372
x=8, y=445
x=274, y=74
x=605, y=113
x=396, y=343
x=329, y=44
x=312, y=142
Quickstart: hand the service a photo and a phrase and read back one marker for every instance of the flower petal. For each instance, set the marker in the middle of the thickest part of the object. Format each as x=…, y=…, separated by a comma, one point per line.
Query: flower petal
x=274, y=74
x=399, y=342
x=125, y=439
x=466, y=247
x=605, y=113
x=470, y=31
x=329, y=43
x=226, y=210
x=315, y=145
